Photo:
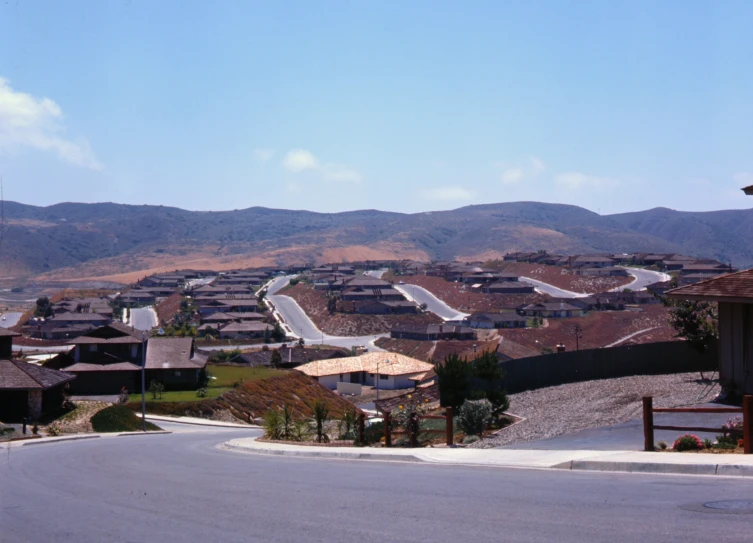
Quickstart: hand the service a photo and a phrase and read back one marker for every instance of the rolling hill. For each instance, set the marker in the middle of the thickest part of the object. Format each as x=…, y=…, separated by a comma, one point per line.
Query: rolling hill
x=71, y=240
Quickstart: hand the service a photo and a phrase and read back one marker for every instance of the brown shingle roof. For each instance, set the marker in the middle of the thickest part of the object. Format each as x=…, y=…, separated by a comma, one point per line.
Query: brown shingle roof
x=8, y=333
x=173, y=353
x=17, y=375
x=81, y=367
x=733, y=287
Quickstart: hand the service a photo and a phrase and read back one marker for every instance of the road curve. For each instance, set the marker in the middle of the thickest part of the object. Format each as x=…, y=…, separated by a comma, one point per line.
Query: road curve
x=180, y=487
x=433, y=304
x=300, y=325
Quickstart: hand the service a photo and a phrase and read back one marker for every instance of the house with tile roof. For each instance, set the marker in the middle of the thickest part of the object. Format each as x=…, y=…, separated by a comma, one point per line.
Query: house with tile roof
x=391, y=370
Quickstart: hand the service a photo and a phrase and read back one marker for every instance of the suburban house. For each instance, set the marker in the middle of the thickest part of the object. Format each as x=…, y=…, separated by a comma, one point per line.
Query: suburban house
x=27, y=390
x=734, y=294
x=367, y=293
x=432, y=332
x=291, y=356
x=508, y=287
x=379, y=307
x=174, y=362
x=105, y=360
x=606, y=271
x=244, y=330
x=392, y=371
x=550, y=310
x=496, y=320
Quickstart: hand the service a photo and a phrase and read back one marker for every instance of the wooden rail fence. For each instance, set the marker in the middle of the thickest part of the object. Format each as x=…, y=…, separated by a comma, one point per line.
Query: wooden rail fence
x=414, y=428
x=649, y=427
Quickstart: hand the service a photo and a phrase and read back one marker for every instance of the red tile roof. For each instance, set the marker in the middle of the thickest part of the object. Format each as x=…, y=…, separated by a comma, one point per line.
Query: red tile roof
x=733, y=287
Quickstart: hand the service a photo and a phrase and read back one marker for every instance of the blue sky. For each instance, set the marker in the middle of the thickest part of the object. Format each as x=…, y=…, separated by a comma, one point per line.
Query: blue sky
x=402, y=106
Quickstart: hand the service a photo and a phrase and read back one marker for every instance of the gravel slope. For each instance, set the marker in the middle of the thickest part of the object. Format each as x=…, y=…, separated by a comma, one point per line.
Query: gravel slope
x=574, y=407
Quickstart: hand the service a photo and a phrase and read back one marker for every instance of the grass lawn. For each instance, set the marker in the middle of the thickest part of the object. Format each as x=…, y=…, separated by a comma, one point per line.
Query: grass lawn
x=225, y=378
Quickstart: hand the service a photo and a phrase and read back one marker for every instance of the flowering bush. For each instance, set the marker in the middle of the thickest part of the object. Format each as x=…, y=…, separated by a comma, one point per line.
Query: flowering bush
x=688, y=442
x=728, y=439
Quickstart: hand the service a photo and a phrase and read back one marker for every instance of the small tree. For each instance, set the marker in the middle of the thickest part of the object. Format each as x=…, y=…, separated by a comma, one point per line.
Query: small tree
x=321, y=412
x=331, y=304
x=278, y=334
x=276, y=359
x=156, y=388
x=488, y=382
x=43, y=308
x=697, y=322
x=454, y=381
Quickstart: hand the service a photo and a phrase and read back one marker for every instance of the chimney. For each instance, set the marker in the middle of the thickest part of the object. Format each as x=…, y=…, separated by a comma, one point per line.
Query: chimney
x=560, y=348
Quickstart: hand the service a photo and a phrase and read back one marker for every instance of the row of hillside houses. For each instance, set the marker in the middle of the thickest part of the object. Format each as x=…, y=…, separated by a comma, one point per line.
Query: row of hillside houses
x=363, y=294
x=70, y=318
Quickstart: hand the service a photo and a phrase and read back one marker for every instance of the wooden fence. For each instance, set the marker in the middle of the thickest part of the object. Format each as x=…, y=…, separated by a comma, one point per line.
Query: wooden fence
x=413, y=429
x=649, y=426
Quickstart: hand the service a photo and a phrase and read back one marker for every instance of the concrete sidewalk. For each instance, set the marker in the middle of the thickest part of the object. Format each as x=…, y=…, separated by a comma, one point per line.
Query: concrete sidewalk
x=587, y=460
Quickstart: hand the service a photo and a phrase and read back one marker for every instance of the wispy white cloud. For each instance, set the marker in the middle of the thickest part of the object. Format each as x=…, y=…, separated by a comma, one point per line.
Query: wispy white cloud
x=301, y=160
x=578, y=181
x=514, y=173
x=28, y=121
x=448, y=194
x=263, y=154
x=744, y=178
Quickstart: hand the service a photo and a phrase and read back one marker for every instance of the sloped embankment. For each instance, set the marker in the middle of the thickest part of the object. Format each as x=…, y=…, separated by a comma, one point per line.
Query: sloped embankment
x=252, y=400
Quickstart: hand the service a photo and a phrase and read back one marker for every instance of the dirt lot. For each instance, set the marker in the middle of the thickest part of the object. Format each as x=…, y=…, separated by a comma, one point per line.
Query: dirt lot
x=600, y=328
x=570, y=408
x=559, y=277
x=314, y=303
x=459, y=297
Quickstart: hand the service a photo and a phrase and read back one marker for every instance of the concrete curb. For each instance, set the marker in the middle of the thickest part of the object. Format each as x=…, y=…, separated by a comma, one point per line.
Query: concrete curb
x=49, y=441
x=729, y=470
x=323, y=454
x=63, y=439
x=159, y=418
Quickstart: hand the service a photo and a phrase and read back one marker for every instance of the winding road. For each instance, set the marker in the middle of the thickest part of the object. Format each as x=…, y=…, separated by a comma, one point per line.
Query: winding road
x=180, y=487
x=300, y=325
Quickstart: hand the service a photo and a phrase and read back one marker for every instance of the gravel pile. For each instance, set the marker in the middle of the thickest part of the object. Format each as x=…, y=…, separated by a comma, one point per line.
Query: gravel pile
x=564, y=409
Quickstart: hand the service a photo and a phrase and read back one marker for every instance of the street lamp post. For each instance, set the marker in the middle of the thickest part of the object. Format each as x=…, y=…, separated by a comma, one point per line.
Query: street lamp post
x=143, y=381
x=387, y=361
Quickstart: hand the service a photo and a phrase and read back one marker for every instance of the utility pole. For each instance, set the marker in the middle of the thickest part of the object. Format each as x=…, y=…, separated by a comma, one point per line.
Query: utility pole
x=578, y=333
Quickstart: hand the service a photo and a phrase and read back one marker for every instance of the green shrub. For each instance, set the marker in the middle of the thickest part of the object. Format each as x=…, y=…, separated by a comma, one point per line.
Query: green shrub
x=663, y=445
x=688, y=442
x=346, y=428
x=474, y=416
x=321, y=412
x=273, y=427
x=117, y=418
x=726, y=442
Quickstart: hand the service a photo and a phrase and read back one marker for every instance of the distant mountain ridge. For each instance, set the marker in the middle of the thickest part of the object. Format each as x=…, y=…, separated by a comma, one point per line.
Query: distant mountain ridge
x=78, y=240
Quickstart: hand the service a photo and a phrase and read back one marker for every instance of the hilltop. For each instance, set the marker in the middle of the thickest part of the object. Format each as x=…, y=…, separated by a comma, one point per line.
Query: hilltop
x=74, y=240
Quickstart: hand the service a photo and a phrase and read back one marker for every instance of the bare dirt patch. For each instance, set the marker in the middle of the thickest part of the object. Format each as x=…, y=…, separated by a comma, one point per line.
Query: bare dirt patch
x=574, y=407
x=599, y=329
x=562, y=278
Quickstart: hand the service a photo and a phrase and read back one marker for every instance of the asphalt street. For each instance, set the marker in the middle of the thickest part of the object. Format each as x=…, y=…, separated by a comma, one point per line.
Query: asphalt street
x=10, y=319
x=302, y=326
x=433, y=304
x=181, y=487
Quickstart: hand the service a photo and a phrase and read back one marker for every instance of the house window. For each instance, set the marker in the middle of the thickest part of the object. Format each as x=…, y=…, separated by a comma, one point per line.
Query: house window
x=92, y=348
x=383, y=377
x=177, y=373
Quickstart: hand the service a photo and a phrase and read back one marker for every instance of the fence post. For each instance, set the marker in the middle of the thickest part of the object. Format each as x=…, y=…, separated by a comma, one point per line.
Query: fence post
x=448, y=420
x=413, y=423
x=387, y=429
x=361, y=430
x=648, y=423
x=748, y=424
